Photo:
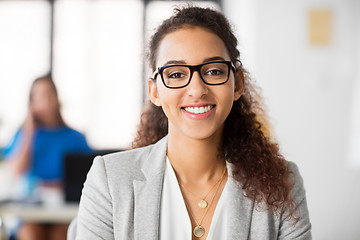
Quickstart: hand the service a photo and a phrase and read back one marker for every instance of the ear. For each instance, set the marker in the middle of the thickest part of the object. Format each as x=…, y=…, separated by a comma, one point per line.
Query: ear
x=153, y=92
x=239, y=85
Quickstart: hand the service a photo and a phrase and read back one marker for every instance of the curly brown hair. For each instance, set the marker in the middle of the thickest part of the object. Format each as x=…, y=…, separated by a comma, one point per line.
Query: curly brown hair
x=259, y=167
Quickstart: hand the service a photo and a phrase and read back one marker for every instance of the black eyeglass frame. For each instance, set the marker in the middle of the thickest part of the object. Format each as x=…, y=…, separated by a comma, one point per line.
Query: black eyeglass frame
x=193, y=68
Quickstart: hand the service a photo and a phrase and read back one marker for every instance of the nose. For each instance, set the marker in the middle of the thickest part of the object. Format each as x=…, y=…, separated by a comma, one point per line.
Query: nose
x=197, y=88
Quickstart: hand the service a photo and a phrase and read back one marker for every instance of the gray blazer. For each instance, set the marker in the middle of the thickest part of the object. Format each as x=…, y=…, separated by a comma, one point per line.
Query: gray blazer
x=122, y=192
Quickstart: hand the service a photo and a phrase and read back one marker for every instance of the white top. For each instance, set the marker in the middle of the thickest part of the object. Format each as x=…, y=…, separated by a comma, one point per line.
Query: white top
x=175, y=222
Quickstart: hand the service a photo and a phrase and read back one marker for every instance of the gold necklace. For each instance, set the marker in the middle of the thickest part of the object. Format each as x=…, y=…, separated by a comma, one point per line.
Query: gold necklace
x=199, y=230
x=203, y=203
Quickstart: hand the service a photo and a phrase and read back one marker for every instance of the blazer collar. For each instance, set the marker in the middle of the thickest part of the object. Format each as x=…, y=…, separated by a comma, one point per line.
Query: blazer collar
x=147, y=192
x=155, y=162
x=240, y=209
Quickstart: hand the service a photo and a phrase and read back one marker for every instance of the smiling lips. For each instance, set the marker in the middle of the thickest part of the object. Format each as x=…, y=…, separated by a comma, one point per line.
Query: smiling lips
x=198, y=113
x=197, y=110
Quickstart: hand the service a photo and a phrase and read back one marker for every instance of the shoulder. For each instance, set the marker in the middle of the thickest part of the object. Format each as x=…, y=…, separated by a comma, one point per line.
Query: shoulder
x=133, y=164
x=126, y=161
x=293, y=167
x=13, y=144
x=70, y=134
x=71, y=131
x=301, y=228
x=58, y=131
x=18, y=134
x=298, y=183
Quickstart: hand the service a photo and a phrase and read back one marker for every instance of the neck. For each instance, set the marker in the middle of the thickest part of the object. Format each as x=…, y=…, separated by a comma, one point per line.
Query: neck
x=195, y=161
x=50, y=124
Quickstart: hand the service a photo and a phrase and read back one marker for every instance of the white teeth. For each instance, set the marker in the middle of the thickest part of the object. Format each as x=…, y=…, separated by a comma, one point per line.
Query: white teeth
x=198, y=110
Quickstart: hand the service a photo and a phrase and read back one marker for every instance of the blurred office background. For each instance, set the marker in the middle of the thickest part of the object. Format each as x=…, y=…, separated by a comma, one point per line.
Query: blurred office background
x=304, y=54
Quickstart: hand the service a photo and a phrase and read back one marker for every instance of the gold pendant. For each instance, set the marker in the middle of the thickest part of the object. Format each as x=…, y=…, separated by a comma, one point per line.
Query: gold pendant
x=199, y=231
x=202, y=203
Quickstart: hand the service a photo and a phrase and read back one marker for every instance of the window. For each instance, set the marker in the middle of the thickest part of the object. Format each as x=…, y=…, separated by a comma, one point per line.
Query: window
x=96, y=53
x=25, y=55
x=98, y=66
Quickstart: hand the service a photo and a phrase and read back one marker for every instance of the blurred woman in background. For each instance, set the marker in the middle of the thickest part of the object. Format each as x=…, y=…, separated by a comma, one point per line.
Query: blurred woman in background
x=37, y=151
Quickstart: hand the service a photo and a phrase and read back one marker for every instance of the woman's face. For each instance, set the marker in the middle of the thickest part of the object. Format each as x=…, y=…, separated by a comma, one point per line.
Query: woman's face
x=193, y=46
x=44, y=103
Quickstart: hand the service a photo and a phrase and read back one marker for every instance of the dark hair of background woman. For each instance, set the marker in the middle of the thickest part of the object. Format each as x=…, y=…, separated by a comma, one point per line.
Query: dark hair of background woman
x=258, y=166
x=48, y=79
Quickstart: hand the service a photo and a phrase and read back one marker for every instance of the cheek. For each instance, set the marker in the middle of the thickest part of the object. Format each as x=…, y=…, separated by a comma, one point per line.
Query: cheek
x=38, y=104
x=45, y=106
x=228, y=91
x=228, y=99
x=170, y=101
x=167, y=96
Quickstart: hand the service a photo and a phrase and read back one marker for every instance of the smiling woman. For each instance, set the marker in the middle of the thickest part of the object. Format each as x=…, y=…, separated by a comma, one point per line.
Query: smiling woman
x=202, y=167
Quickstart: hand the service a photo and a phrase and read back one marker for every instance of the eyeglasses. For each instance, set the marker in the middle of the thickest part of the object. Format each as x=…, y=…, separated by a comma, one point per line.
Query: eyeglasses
x=211, y=73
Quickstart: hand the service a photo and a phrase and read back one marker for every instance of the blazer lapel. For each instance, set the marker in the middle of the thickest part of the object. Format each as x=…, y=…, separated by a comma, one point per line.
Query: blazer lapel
x=147, y=193
x=240, y=211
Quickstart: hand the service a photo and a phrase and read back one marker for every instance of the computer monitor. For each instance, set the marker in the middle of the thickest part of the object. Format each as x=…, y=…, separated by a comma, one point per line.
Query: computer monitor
x=76, y=167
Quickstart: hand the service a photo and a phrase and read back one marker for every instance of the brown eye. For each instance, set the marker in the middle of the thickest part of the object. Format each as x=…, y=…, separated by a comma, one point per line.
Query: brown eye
x=176, y=75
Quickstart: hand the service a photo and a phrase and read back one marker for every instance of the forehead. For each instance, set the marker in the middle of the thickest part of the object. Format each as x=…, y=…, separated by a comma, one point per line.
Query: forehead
x=191, y=45
x=42, y=87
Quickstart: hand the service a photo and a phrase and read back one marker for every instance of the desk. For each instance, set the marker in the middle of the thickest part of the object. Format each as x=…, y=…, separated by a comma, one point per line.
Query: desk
x=40, y=213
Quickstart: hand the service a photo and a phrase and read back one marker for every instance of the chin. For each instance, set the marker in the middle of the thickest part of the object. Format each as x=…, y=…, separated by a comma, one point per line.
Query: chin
x=203, y=134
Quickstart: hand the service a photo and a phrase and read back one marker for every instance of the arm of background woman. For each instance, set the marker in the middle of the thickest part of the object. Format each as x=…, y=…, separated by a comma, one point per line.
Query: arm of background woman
x=301, y=229
x=95, y=219
x=19, y=158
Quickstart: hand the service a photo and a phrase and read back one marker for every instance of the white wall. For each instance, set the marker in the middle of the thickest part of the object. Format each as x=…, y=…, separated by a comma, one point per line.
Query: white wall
x=309, y=92
x=354, y=149
x=98, y=68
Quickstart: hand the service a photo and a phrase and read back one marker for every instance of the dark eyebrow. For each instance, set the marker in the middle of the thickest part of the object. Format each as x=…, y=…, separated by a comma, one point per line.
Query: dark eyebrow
x=174, y=62
x=217, y=58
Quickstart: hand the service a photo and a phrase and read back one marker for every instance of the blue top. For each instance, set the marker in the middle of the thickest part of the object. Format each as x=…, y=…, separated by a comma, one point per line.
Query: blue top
x=48, y=150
